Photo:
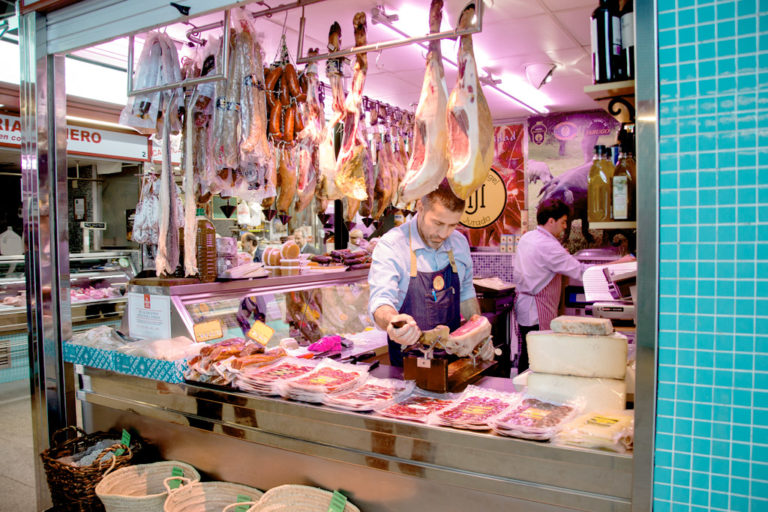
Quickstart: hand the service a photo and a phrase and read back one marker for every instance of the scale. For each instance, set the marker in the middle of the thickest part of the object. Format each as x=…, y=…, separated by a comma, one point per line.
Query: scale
x=87, y=227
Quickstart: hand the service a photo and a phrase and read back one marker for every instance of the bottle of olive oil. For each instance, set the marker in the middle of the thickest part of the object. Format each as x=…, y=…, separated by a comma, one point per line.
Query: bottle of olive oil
x=623, y=187
x=599, y=187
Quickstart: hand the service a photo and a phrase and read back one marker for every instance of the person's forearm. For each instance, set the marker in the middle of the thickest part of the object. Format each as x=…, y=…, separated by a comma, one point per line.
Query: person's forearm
x=469, y=307
x=383, y=315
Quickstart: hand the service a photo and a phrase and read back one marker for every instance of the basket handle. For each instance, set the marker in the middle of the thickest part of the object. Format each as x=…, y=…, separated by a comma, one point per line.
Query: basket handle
x=55, y=437
x=184, y=481
x=111, y=451
x=231, y=505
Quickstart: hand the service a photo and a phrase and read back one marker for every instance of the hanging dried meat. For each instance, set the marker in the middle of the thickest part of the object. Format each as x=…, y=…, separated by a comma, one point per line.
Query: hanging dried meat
x=158, y=65
x=326, y=187
x=429, y=160
x=350, y=168
x=147, y=220
x=168, y=232
x=286, y=181
x=386, y=183
x=470, y=127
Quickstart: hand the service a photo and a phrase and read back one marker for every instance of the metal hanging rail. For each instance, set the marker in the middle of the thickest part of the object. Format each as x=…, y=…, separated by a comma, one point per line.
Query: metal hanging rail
x=374, y=47
x=223, y=75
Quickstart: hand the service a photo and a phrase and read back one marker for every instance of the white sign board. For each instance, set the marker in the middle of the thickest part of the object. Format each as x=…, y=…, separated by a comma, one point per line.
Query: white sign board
x=149, y=316
x=95, y=142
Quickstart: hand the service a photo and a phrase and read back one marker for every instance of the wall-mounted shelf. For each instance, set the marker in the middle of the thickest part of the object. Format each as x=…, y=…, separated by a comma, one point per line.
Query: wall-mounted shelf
x=617, y=224
x=618, y=98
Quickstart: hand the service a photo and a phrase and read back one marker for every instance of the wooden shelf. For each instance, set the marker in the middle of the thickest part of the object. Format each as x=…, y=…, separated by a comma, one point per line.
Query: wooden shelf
x=617, y=224
x=610, y=90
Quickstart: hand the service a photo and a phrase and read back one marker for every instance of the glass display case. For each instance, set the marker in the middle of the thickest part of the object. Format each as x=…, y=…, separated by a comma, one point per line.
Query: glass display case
x=304, y=307
x=97, y=287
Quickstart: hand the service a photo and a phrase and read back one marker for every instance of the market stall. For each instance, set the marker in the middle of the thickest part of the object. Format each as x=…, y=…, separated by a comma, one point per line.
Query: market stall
x=203, y=411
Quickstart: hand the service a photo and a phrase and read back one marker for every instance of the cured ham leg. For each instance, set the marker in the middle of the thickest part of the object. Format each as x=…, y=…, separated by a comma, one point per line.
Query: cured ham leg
x=470, y=127
x=307, y=176
x=386, y=183
x=429, y=160
x=286, y=181
x=326, y=187
x=350, y=172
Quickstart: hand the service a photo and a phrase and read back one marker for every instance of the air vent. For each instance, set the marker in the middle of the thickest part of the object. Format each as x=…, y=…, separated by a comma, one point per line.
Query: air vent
x=5, y=354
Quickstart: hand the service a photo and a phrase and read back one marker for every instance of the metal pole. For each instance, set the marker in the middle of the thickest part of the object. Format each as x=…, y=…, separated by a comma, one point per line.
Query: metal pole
x=44, y=203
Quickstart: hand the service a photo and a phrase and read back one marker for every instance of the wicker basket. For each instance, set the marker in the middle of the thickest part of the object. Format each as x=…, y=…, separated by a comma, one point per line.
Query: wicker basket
x=297, y=498
x=73, y=487
x=208, y=497
x=141, y=488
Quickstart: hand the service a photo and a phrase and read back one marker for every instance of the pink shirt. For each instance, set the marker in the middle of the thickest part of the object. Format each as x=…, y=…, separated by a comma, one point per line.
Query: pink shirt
x=540, y=257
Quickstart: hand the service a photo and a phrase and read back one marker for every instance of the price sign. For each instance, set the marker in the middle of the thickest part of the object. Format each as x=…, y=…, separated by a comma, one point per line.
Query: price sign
x=207, y=331
x=260, y=332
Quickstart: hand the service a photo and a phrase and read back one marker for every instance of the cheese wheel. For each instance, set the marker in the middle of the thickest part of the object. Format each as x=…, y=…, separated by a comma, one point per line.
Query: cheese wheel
x=578, y=354
x=581, y=325
x=592, y=393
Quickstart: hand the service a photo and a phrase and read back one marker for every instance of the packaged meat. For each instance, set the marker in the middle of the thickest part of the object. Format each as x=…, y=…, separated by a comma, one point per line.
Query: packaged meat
x=611, y=430
x=371, y=395
x=328, y=377
x=264, y=380
x=417, y=407
x=534, y=419
x=476, y=409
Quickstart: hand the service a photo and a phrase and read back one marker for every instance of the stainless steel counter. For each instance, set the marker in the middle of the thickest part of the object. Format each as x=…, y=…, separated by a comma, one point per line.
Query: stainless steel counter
x=384, y=465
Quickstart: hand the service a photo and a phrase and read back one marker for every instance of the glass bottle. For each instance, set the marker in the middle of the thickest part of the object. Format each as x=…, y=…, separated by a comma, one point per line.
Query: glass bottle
x=601, y=27
x=623, y=186
x=628, y=40
x=599, y=187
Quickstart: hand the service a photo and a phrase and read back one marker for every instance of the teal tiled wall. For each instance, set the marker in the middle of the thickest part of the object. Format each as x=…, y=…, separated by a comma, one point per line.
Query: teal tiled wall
x=712, y=403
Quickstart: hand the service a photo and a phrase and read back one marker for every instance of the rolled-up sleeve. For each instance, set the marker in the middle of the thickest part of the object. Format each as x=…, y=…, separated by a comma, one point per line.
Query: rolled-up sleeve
x=562, y=262
x=385, y=277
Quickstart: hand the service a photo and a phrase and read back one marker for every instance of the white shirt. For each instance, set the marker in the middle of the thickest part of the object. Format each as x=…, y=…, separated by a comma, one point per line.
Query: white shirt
x=540, y=257
x=390, y=271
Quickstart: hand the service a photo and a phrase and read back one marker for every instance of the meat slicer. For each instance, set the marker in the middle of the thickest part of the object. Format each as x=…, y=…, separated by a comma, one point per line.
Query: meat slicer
x=435, y=370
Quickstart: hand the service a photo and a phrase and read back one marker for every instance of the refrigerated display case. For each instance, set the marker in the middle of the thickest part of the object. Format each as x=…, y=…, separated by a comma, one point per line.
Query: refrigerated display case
x=98, y=282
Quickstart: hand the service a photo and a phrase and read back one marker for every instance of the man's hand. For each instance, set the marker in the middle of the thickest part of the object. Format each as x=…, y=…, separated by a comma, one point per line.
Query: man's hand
x=406, y=335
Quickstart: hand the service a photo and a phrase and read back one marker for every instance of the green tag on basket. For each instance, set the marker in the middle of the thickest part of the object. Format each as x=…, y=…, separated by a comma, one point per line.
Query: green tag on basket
x=240, y=499
x=126, y=440
x=175, y=483
x=338, y=502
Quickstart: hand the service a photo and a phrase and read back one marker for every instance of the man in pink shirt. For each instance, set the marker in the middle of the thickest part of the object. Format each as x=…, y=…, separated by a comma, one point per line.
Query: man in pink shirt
x=540, y=262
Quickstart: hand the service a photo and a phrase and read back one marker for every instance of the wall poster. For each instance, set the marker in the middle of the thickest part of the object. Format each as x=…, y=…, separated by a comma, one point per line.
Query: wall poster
x=497, y=207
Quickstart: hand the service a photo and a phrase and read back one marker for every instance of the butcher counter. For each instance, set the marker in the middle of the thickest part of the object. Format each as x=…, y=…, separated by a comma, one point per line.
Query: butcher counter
x=382, y=464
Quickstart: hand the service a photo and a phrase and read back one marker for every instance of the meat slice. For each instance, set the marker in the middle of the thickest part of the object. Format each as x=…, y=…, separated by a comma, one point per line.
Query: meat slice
x=470, y=127
x=350, y=170
x=429, y=160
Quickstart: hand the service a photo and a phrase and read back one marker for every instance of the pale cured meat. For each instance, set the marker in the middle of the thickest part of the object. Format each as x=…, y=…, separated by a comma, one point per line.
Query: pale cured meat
x=168, y=236
x=464, y=339
x=254, y=145
x=350, y=168
x=470, y=127
x=326, y=186
x=429, y=160
x=366, y=207
x=190, y=206
x=312, y=109
x=307, y=176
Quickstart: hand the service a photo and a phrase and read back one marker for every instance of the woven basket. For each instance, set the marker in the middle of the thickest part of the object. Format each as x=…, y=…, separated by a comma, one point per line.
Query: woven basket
x=208, y=497
x=297, y=498
x=72, y=487
x=141, y=488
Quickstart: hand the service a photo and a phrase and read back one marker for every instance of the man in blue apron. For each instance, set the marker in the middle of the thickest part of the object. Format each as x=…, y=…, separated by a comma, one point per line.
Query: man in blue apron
x=422, y=274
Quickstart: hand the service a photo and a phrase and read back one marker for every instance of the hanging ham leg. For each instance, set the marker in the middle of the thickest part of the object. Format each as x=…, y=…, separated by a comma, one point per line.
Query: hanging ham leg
x=350, y=172
x=382, y=192
x=470, y=127
x=307, y=176
x=326, y=187
x=286, y=181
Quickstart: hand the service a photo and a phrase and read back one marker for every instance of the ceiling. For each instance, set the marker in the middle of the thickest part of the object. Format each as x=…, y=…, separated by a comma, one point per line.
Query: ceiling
x=516, y=34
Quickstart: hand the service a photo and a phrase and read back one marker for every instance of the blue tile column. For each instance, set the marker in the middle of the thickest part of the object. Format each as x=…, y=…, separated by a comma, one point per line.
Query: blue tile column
x=712, y=403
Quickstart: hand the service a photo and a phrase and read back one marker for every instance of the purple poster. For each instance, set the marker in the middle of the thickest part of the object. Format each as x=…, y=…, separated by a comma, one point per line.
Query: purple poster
x=560, y=149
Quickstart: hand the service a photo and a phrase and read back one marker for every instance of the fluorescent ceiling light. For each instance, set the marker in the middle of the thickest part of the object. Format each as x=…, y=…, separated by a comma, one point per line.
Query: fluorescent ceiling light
x=412, y=20
x=96, y=122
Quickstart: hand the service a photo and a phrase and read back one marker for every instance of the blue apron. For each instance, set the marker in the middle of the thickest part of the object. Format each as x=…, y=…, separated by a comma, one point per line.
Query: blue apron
x=432, y=299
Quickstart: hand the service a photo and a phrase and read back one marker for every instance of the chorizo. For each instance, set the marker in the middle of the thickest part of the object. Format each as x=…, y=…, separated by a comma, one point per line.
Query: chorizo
x=298, y=123
x=274, y=122
x=288, y=122
x=292, y=81
x=285, y=97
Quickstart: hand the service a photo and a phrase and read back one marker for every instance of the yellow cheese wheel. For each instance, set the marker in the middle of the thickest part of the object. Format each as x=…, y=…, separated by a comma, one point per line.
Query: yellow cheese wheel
x=290, y=250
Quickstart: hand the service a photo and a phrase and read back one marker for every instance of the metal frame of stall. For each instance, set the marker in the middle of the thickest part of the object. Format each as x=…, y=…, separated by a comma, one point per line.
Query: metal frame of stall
x=46, y=35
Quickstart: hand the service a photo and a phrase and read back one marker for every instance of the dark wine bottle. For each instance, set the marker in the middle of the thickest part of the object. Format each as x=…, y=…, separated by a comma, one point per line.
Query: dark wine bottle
x=619, y=70
x=602, y=40
x=628, y=40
